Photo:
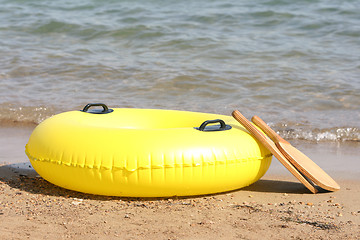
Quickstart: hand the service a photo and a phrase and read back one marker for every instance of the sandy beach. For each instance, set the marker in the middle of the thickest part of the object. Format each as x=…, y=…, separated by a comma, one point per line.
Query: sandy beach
x=275, y=207
x=295, y=64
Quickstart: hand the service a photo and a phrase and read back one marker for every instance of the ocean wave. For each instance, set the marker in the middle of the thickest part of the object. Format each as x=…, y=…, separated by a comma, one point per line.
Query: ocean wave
x=29, y=115
x=336, y=134
x=11, y=114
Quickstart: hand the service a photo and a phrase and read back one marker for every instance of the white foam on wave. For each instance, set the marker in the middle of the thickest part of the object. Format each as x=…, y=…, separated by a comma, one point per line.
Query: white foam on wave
x=333, y=134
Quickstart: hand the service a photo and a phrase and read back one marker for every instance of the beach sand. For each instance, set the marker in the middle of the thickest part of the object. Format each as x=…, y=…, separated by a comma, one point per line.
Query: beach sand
x=275, y=207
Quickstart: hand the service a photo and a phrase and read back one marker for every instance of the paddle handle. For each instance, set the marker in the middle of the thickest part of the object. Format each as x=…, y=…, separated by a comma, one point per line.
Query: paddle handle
x=251, y=128
x=268, y=131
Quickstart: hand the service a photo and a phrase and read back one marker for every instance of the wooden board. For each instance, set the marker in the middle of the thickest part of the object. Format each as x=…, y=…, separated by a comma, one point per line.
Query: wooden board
x=304, y=164
x=270, y=145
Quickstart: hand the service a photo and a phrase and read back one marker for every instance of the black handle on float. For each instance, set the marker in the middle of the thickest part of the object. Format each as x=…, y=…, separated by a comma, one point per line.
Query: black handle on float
x=104, y=110
x=222, y=127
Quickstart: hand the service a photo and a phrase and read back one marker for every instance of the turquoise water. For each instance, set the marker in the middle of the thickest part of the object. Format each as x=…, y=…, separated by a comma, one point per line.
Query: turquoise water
x=296, y=64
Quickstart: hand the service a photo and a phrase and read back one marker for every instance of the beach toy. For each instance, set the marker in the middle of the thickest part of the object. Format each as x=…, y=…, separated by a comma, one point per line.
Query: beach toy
x=146, y=152
x=296, y=162
x=304, y=164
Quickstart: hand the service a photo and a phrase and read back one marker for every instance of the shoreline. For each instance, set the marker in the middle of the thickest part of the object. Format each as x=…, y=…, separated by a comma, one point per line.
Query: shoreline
x=275, y=207
x=338, y=159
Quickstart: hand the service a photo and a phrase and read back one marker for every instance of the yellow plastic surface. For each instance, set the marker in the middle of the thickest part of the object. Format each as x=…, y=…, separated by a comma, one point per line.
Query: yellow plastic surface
x=145, y=153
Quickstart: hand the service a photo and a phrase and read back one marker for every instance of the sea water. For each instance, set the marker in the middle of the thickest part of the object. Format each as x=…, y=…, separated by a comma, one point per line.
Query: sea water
x=296, y=64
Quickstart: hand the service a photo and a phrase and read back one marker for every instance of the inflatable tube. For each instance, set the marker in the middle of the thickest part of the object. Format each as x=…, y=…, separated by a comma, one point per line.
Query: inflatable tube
x=145, y=152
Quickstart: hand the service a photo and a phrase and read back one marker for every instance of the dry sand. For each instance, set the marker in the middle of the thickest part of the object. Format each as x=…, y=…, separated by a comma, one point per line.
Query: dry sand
x=275, y=207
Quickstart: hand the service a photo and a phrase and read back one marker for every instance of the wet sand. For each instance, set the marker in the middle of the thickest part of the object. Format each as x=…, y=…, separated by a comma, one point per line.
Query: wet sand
x=275, y=207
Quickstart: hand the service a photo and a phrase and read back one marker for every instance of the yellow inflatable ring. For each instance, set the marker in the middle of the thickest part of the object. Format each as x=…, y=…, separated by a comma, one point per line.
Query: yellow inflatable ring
x=145, y=152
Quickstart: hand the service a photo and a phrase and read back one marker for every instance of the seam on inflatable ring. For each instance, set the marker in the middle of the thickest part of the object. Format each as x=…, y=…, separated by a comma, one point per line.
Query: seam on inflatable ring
x=226, y=161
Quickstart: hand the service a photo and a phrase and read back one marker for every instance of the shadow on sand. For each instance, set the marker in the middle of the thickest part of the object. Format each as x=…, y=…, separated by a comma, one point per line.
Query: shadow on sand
x=23, y=177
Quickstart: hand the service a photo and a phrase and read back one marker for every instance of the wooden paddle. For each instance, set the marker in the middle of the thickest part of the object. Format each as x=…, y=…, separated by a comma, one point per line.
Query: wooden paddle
x=270, y=145
x=304, y=164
